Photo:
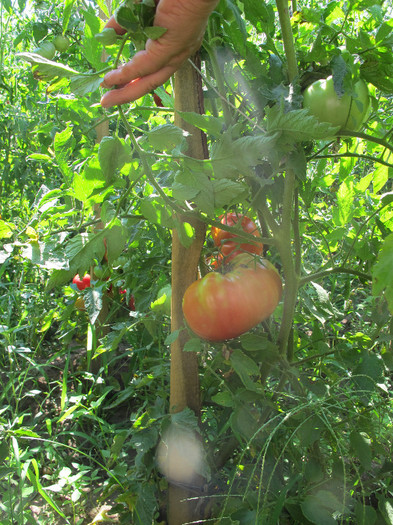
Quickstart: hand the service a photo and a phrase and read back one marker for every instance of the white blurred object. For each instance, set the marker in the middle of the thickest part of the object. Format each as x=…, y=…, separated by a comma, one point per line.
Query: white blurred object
x=180, y=455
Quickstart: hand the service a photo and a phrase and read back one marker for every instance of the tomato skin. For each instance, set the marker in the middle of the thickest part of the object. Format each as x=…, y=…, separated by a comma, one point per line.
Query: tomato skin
x=232, y=247
x=81, y=284
x=223, y=306
x=347, y=112
x=61, y=43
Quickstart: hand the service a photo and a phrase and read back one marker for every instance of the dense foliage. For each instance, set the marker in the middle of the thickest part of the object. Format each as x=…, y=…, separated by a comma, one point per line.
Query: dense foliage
x=296, y=414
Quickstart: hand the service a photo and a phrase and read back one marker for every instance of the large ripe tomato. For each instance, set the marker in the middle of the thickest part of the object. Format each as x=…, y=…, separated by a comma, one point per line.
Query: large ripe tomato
x=233, y=247
x=347, y=112
x=223, y=306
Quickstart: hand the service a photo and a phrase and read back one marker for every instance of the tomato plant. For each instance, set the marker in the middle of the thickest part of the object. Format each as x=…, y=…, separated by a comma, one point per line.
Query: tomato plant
x=223, y=306
x=83, y=283
x=233, y=247
x=348, y=112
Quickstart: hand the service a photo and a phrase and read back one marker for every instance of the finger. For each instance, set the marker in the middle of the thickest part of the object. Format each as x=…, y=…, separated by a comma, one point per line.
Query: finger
x=143, y=63
x=136, y=88
x=114, y=25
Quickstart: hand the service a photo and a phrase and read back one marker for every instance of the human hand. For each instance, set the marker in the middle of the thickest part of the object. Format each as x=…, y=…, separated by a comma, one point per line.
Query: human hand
x=185, y=21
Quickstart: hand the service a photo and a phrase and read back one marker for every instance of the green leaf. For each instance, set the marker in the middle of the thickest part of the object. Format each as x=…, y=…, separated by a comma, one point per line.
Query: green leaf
x=224, y=398
x=207, y=123
x=155, y=212
x=380, y=177
x=63, y=146
x=93, y=302
x=185, y=232
x=227, y=193
x=154, y=32
x=112, y=155
x=385, y=505
x=382, y=272
x=126, y=17
x=368, y=372
x=319, y=508
x=314, y=511
x=59, y=278
x=83, y=85
x=264, y=349
x=43, y=254
x=166, y=137
x=115, y=238
x=245, y=367
x=345, y=198
x=83, y=186
x=68, y=5
x=193, y=345
x=107, y=36
x=297, y=125
x=47, y=68
x=361, y=446
x=364, y=514
x=91, y=48
x=6, y=229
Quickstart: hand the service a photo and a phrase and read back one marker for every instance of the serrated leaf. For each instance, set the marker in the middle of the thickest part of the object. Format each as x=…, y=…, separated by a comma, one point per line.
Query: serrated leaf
x=83, y=85
x=298, y=125
x=93, y=302
x=245, y=367
x=166, y=137
x=43, y=254
x=228, y=192
x=48, y=68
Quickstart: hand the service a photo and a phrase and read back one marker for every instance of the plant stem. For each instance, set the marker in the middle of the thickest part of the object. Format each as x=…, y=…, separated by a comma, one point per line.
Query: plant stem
x=287, y=37
x=283, y=240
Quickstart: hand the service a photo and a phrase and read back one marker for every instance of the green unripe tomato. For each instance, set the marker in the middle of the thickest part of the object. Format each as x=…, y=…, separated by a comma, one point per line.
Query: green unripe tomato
x=347, y=112
x=61, y=43
x=46, y=50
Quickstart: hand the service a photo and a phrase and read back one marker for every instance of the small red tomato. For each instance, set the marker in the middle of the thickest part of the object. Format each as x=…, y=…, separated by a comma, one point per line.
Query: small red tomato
x=234, y=246
x=86, y=281
x=223, y=306
x=81, y=284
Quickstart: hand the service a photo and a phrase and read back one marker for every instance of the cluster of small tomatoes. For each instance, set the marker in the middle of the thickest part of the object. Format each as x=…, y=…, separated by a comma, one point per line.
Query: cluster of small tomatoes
x=244, y=291
x=86, y=282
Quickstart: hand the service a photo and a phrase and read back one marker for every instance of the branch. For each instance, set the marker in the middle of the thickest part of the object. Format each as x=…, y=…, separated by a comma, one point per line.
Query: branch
x=339, y=269
x=353, y=155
